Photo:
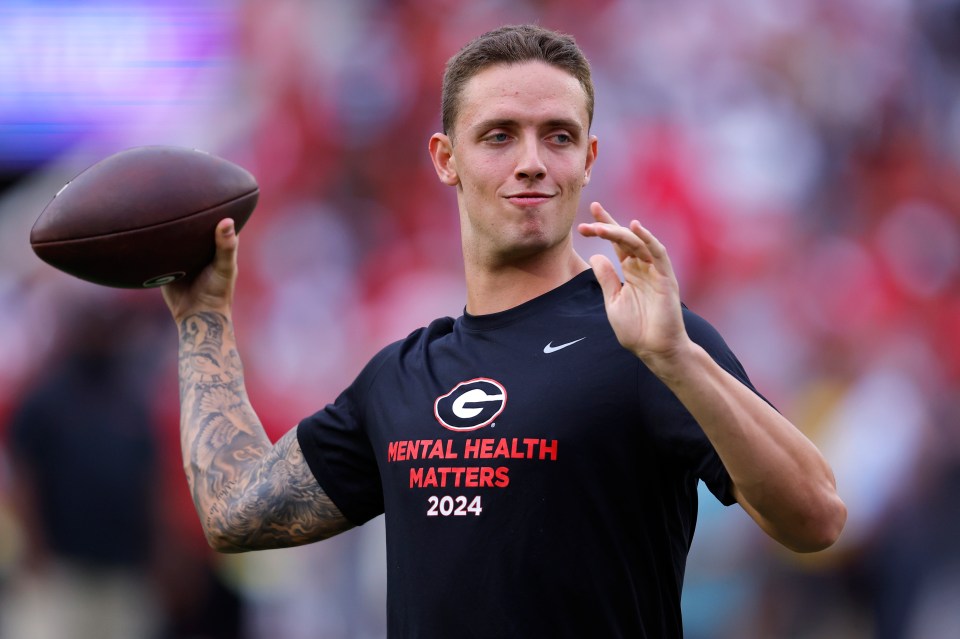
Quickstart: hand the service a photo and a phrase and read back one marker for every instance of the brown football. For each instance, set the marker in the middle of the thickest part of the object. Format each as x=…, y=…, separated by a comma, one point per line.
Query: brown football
x=143, y=217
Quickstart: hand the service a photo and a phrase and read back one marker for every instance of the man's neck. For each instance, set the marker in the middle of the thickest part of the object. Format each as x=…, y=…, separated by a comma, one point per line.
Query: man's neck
x=491, y=289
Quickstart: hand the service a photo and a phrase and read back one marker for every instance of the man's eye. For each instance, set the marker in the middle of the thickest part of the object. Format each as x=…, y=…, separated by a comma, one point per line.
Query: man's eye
x=563, y=138
x=498, y=137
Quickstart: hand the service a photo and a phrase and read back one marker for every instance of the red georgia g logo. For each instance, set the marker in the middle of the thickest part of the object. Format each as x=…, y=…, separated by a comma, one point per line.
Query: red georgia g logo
x=471, y=405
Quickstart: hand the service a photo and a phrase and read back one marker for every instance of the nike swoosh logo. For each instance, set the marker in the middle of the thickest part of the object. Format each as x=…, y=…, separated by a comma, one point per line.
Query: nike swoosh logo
x=550, y=348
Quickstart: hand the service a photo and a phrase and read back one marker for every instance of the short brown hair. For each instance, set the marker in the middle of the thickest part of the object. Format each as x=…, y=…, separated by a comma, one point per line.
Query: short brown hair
x=511, y=45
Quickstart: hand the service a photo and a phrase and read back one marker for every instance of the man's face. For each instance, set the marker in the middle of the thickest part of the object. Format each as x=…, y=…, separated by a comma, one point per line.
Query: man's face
x=520, y=152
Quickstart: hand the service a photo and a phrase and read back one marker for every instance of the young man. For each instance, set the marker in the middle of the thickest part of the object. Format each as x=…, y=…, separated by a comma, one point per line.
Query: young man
x=537, y=458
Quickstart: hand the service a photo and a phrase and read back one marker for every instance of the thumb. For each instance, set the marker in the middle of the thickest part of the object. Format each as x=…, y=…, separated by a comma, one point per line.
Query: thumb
x=227, y=241
x=606, y=276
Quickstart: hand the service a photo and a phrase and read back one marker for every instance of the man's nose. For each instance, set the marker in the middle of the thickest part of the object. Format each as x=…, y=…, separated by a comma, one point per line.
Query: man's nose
x=530, y=165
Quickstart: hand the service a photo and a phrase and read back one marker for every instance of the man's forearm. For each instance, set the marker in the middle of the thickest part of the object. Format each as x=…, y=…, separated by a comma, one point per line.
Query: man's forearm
x=221, y=438
x=249, y=493
x=779, y=476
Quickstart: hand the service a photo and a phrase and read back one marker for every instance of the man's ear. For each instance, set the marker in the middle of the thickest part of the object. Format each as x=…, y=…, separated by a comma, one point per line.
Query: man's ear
x=441, y=152
x=591, y=158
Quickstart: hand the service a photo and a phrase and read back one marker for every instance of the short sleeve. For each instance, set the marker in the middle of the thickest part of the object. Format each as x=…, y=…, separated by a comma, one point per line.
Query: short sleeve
x=679, y=435
x=338, y=452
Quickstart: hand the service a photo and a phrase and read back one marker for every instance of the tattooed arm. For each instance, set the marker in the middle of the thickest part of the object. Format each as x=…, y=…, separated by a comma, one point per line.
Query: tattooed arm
x=250, y=494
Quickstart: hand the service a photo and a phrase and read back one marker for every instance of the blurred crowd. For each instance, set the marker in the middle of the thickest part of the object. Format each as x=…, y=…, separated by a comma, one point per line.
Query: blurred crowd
x=801, y=162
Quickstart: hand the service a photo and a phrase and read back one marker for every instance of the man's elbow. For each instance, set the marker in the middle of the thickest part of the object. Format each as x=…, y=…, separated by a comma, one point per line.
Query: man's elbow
x=821, y=528
x=223, y=542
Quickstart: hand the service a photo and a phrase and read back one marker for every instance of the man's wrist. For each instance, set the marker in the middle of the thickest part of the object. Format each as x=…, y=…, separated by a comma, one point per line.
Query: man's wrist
x=676, y=365
x=206, y=316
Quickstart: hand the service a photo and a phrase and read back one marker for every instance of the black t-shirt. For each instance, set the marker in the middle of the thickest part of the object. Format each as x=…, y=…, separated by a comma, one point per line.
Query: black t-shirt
x=537, y=479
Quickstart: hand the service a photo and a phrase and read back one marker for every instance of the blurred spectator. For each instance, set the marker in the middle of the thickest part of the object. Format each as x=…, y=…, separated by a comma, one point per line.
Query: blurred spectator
x=84, y=461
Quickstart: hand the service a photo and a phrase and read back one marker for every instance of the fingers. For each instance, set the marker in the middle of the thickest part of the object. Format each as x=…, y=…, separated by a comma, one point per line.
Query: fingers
x=632, y=241
x=602, y=217
x=651, y=250
x=600, y=214
x=626, y=240
x=652, y=244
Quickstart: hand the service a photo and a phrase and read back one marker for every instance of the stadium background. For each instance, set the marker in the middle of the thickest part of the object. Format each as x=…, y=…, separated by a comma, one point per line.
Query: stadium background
x=800, y=161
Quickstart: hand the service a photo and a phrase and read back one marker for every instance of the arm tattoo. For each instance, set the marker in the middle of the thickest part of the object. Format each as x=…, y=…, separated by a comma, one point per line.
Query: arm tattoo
x=249, y=494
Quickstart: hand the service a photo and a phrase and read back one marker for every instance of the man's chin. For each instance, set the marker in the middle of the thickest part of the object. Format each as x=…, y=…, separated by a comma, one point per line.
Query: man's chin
x=529, y=248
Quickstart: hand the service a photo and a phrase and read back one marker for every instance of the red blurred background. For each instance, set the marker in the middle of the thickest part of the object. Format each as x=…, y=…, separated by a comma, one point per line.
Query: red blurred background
x=799, y=160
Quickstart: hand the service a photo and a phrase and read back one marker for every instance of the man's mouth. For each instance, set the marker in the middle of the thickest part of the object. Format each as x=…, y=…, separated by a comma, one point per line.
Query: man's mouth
x=529, y=198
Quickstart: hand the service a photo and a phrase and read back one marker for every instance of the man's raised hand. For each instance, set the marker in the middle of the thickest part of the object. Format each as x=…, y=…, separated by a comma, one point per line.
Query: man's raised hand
x=644, y=309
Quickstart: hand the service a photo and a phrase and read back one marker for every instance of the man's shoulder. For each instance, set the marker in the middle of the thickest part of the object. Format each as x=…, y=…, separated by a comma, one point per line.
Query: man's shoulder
x=420, y=338
x=415, y=345
x=707, y=336
x=700, y=329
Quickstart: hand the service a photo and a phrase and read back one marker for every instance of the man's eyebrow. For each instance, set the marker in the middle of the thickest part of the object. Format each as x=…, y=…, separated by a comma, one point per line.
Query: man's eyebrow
x=564, y=123
x=494, y=123
x=506, y=123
